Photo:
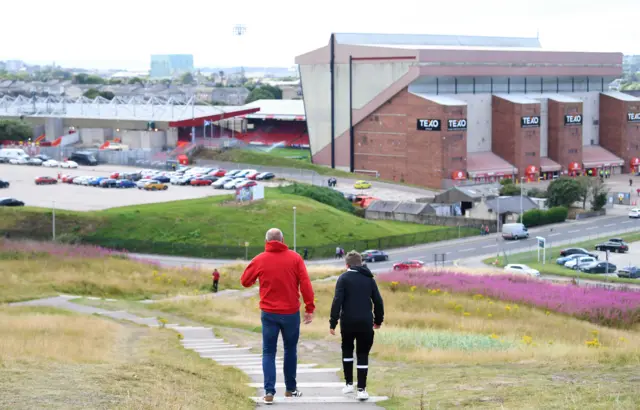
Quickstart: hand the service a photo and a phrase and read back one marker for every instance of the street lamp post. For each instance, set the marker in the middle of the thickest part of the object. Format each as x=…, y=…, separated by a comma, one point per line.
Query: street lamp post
x=521, y=210
x=294, y=229
x=53, y=220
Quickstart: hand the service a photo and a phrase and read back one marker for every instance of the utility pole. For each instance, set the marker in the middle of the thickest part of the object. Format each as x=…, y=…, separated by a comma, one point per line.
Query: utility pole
x=294, y=229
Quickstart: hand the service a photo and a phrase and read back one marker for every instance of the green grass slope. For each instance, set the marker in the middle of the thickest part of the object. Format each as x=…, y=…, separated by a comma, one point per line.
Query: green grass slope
x=218, y=227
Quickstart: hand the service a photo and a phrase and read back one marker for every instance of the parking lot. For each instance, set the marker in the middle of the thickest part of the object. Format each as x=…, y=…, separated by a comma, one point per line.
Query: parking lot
x=622, y=259
x=379, y=192
x=85, y=198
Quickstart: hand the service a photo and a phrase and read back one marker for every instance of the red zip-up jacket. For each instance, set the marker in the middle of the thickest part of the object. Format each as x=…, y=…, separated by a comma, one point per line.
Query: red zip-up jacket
x=283, y=276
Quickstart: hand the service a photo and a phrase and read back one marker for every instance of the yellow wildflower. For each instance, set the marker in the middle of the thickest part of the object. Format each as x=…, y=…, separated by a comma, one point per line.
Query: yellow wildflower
x=507, y=308
x=527, y=339
x=494, y=336
x=413, y=288
x=489, y=315
x=467, y=314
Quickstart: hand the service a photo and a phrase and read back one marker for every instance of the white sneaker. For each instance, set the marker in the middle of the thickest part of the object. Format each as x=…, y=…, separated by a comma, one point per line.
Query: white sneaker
x=362, y=395
x=347, y=389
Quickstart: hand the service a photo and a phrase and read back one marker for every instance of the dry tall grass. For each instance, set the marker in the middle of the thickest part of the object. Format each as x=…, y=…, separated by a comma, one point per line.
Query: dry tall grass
x=42, y=334
x=519, y=332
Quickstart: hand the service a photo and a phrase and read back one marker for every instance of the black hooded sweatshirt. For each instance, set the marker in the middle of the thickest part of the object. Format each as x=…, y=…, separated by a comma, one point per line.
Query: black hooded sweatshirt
x=356, y=292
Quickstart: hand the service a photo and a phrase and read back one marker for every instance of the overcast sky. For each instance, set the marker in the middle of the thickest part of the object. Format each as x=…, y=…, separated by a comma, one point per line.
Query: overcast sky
x=123, y=34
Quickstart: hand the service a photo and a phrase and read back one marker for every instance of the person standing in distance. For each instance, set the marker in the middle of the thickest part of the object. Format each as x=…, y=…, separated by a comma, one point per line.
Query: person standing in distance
x=215, y=276
x=356, y=292
x=283, y=276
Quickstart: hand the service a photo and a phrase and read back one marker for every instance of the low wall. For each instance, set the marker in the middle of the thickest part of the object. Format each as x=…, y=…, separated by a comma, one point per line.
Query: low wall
x=432, y=219
x=592, y=214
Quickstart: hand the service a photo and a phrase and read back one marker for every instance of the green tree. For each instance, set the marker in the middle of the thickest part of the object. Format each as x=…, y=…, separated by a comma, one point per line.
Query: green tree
x=115, y=81
x=510, y=190
x=276, y=91
x=187, y=78
x=91, y=93
x=15, y=130
x=564, y=192
x=259, y=94
x=135, y=80
x=107, y=94
x=83, y=78
x=599, y=193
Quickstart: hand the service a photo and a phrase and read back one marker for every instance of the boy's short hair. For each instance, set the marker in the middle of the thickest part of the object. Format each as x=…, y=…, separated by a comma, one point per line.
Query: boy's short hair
x=353, y=258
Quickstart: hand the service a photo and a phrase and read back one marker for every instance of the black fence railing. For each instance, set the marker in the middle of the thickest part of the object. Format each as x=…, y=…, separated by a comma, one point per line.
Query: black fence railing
x=203, y=250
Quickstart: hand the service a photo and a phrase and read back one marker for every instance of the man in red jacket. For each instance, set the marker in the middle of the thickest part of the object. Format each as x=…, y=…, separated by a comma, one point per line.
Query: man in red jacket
x=283, y=276
x=216, y=278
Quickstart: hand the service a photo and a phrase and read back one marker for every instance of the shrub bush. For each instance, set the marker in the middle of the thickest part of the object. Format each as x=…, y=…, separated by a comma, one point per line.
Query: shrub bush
x=321, y=194
x=537, y=217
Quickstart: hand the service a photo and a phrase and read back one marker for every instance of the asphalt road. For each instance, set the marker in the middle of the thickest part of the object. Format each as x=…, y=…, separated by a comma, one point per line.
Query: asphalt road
x=558, y=234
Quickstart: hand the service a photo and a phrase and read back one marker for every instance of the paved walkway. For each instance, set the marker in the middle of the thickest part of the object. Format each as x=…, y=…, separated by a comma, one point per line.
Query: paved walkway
x=321, y=386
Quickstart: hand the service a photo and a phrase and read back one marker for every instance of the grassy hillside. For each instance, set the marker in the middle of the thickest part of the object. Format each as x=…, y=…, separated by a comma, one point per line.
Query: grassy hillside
x=218, y=227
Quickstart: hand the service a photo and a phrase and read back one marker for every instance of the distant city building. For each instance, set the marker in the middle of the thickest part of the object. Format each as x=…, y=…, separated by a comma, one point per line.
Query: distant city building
x=170, y=65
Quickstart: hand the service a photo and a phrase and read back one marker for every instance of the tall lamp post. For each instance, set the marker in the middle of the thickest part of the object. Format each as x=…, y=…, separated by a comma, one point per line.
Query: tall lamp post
x=521, y=190
x=294, y=229
x=53, y=221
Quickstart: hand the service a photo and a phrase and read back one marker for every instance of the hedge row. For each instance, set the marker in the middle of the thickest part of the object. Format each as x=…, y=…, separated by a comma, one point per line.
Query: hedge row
x=537, y=217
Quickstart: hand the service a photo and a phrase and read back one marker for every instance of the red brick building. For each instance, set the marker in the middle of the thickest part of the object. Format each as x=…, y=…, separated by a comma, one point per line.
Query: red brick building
x=380, y=104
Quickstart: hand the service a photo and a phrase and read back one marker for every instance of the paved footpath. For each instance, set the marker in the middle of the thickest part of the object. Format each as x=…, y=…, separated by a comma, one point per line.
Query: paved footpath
x=321, y=386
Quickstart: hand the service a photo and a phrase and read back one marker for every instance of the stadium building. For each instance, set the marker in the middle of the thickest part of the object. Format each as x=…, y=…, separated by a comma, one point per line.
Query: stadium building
x=438, y=110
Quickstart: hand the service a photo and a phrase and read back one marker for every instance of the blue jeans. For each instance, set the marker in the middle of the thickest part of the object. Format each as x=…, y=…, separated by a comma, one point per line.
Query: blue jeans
x=272, y=325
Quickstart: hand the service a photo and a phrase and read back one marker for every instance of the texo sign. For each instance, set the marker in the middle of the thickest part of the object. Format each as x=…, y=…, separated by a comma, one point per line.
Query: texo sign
x=530, y=122
x=457, y=125
x=573, y=119
x=633, y=117
x=429, y=125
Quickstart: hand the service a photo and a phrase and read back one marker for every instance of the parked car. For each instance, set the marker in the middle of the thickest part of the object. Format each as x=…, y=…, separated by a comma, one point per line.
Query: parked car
x=634, y=213
x=514, y=231
x=233, y=173
x=219, y=184
x=141, y=183
x=162, y=179
x=247, y=183
x=406, y=265
x=578, y=262
x=131, y=176
x=252, y=175
x=68, y=164
x=619, y=247
x=52, y=163
x=265, y=176
x=34, y=161
x=572, y=251
x=109, y=183
x=12, y=153
x=155, y=186
x=125, y=183
x=520, y=269
x=80, y=180
x=374, y=255
x=629, y=272
x=218, y=172
x=10, y=202
x=95, y=182
x=19, y=161
x=232, y=184
x=84, y=158
x=46, y=181
x=599, y=267
x=4, y=184
x=564, y=259
x=245, y=172
x=203, y=181
x=362, y=185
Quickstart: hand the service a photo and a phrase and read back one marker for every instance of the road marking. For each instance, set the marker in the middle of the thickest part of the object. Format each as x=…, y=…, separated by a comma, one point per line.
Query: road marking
x=609, y=225
x=628, y=222
x=446, y=253
x=593, y=227
x=554, y=234
x=507, y=243
x=574, y=231
x=467, y=250
x=487, y=246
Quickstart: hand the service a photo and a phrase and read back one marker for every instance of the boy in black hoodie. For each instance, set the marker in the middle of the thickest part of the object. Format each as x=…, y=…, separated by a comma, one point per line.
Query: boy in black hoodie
x=356, y=292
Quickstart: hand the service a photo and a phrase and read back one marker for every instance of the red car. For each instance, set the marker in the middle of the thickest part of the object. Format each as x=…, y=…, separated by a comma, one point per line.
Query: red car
x=248, y=184
x=46, y=181
x=218, y=172
x=201, y=181
x=406, y=265
x=253, y=175
x=114, y=175
x=67, y=179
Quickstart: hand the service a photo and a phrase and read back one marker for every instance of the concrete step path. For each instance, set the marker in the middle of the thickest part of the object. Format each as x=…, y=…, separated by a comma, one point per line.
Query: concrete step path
x=321, y=387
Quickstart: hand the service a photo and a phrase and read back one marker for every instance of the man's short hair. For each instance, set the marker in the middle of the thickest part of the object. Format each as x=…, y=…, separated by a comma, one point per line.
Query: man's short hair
x=274, y=234
x=353, y=258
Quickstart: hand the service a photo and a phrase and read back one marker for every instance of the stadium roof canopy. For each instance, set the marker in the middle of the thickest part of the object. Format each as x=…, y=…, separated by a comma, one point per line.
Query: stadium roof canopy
x=286, y=110
x=177, y=113
x=434, y=40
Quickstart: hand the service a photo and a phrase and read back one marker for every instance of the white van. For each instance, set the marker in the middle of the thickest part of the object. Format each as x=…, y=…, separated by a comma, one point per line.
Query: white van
x=13, y=153
x=514, y=231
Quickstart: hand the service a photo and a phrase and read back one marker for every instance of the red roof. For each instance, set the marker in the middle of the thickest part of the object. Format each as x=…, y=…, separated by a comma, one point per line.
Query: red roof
x=199, y=122
x=481, y=164
x=594, y=156
x=549, y=165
